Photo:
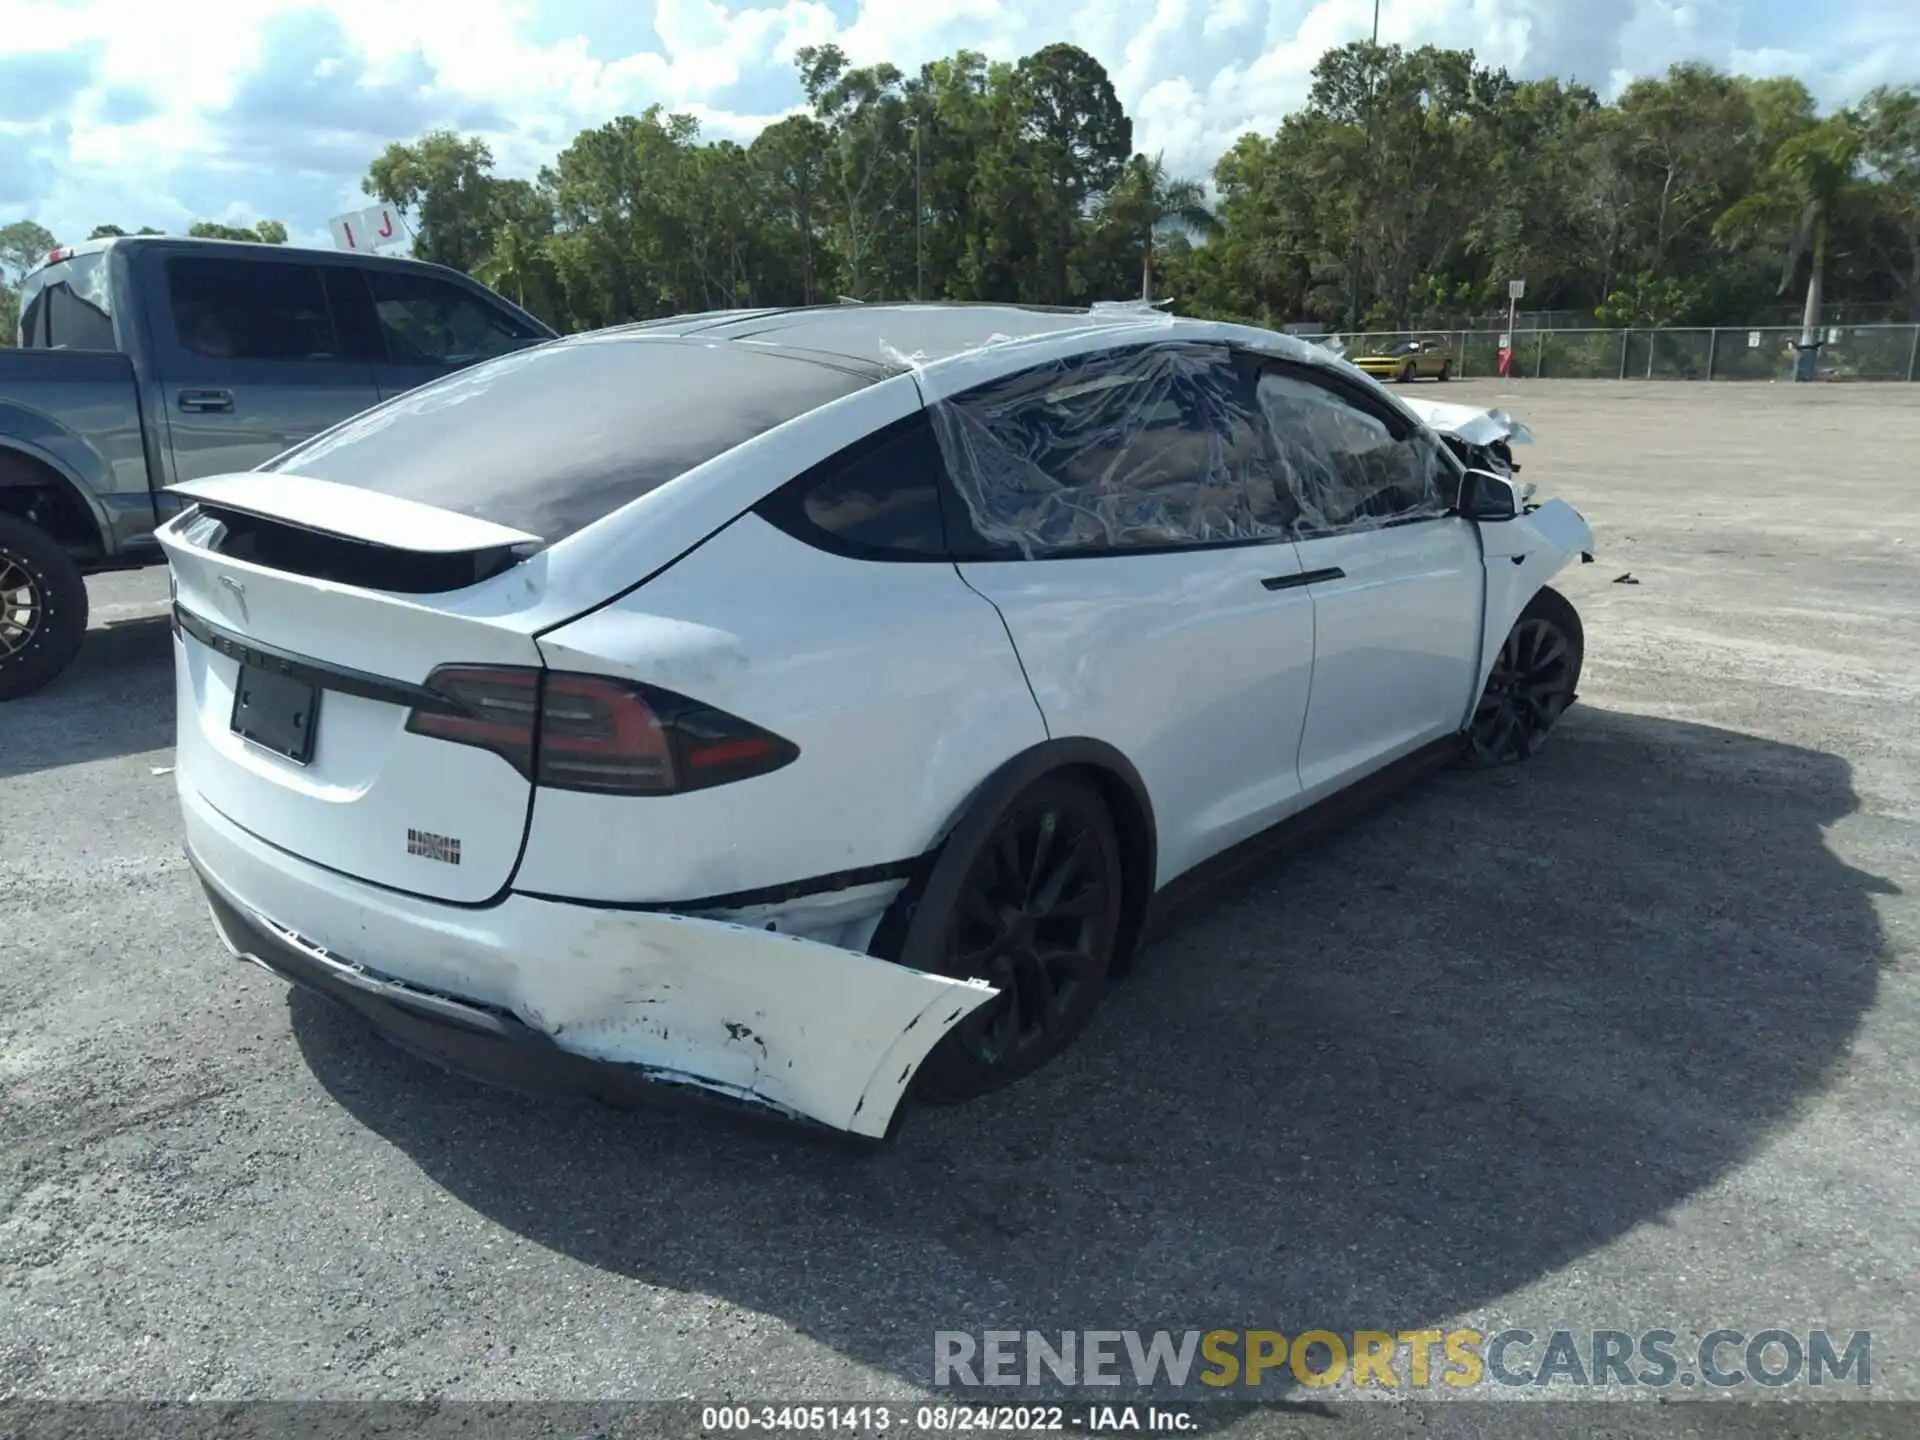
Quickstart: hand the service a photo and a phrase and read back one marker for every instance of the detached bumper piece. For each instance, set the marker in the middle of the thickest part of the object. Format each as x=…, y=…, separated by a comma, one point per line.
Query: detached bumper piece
x=482, y=1044
x=496, y=1047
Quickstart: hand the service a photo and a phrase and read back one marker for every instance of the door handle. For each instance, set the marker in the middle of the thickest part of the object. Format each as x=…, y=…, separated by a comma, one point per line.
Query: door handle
x=205, y=401
x=1305, y=577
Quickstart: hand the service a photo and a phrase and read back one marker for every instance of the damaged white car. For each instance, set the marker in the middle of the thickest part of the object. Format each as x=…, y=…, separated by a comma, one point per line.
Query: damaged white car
x=811, y=706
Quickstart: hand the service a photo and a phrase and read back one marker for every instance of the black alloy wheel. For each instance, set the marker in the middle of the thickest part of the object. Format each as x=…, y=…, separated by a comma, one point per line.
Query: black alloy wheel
x=1036, y=918
x=1533, y=681
x=43, y=608
x=20, y=607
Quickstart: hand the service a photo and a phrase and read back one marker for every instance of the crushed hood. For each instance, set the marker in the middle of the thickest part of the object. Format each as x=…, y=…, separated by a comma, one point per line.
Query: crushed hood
x=1465, y=422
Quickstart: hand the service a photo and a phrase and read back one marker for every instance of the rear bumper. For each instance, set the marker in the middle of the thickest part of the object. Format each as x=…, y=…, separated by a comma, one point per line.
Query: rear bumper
x=541, y=994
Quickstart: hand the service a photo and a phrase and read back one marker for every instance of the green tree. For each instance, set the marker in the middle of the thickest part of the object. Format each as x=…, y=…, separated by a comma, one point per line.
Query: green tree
x=1146, y=200
x=510, y=264
x=267, y=232
x=1072, y=142
x=443, y=183
x=1807, y=184
x=24, y=245
x=869, y=170
x=1409, y=189
x=790, y=160
x=519, y=259
x=1890, y=151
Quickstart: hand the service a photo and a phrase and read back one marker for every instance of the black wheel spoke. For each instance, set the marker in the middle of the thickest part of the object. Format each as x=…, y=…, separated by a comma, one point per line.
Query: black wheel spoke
x=1049, y=886
x=1042, y=850
x=1082, y=905
x=19, y=607
x=1046, y=1000
x=1035, y=920
x=975, y=964
x=1007, y=856
x=977, y=908
x=1528, y=690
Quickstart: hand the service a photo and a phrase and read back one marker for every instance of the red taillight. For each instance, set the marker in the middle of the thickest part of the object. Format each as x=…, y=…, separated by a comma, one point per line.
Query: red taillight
x=492, y=707
x=597, y=734
x=569, y=731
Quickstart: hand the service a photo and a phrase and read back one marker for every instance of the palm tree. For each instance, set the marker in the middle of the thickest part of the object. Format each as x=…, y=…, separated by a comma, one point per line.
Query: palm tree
x=1148, y=200
x=1810, y=179
x=509, y=264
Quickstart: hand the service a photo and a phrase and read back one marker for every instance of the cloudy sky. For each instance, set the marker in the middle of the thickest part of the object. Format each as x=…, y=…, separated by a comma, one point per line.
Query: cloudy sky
x=143, y=113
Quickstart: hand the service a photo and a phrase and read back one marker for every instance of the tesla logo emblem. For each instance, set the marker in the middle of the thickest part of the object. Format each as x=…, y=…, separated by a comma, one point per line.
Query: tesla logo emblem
x=239, y=592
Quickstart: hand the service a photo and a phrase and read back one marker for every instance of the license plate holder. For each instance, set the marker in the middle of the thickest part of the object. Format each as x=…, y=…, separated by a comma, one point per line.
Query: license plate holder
x=276, y=712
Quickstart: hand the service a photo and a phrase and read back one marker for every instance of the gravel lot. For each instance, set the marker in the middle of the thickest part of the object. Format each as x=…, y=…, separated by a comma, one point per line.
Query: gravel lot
x=1622, y=1038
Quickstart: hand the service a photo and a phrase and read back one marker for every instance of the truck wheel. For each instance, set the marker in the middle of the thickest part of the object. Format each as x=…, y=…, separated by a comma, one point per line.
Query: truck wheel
x=43, y=608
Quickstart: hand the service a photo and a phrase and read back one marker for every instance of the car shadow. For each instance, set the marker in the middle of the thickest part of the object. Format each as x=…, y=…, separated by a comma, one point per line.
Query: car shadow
x=1497, y=1023
x=116, y=698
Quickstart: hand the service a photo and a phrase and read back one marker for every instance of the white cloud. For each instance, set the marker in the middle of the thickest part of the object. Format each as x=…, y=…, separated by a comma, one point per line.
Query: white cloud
x=116, y=111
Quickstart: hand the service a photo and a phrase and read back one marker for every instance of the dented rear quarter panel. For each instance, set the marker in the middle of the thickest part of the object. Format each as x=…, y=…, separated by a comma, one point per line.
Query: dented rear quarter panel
x=865, y=666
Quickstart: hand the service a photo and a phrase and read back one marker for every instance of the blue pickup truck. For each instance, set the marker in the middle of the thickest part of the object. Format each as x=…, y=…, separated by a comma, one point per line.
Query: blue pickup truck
x=147, y=361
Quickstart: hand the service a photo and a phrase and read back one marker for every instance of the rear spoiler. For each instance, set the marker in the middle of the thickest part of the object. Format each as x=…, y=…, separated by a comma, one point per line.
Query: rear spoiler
x=352, y=513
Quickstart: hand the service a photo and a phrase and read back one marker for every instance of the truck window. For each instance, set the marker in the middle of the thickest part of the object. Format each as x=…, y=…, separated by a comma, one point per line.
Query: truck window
x=429, y=322
x=68, y=307
x=32, y=334
x=250, y=309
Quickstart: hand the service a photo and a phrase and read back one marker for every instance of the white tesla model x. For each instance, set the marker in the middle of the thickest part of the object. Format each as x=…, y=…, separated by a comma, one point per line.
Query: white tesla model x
x=813, y=705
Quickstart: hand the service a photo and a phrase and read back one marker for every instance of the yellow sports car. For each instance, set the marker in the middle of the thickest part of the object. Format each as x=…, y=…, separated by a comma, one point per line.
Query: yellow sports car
x=1409, y=360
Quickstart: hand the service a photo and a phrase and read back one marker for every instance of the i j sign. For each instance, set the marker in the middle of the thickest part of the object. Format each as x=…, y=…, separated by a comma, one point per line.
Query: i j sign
x=376, y=228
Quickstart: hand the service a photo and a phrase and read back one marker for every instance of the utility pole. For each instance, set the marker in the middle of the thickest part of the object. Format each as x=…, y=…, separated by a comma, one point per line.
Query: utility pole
x=1353, y=266
x=919, y=209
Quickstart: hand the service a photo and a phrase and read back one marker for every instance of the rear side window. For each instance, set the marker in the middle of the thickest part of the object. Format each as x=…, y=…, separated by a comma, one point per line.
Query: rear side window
x=68, y=307
x=429, y=322
x=79, y=311
x=33, y=333
x=553, y=438
x=877, y=500
x=228, y=309
x=1148, y=447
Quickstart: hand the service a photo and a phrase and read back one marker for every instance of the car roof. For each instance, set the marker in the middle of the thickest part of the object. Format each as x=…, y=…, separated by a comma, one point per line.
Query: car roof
x=881, y=340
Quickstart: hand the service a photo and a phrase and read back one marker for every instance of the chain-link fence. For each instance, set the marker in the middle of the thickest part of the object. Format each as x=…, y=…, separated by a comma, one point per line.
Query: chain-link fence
x=1839, y=313
x=1851, y=352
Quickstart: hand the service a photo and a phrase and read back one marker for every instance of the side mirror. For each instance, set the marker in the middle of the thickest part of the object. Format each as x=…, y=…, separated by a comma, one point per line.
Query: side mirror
x=1487, y=496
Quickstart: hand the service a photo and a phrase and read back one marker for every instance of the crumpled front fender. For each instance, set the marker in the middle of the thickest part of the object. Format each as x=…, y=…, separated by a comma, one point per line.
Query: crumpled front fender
x=1523, y=554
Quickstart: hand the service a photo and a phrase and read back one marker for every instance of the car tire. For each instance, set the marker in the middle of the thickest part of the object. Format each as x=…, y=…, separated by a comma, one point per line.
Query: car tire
x=1406, y=374
x=1036, y=915
x=1535, y=678
x=1446, y=371
x=43, y=608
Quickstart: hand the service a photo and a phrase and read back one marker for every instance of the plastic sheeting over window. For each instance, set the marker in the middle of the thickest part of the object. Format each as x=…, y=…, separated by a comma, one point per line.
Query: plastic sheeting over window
x=1344, y=465
x=1123, y=449
x=1174, y=444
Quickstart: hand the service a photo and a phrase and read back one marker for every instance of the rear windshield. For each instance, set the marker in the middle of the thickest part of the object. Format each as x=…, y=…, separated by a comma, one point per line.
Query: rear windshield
x=67, y=306
x=549, y=440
